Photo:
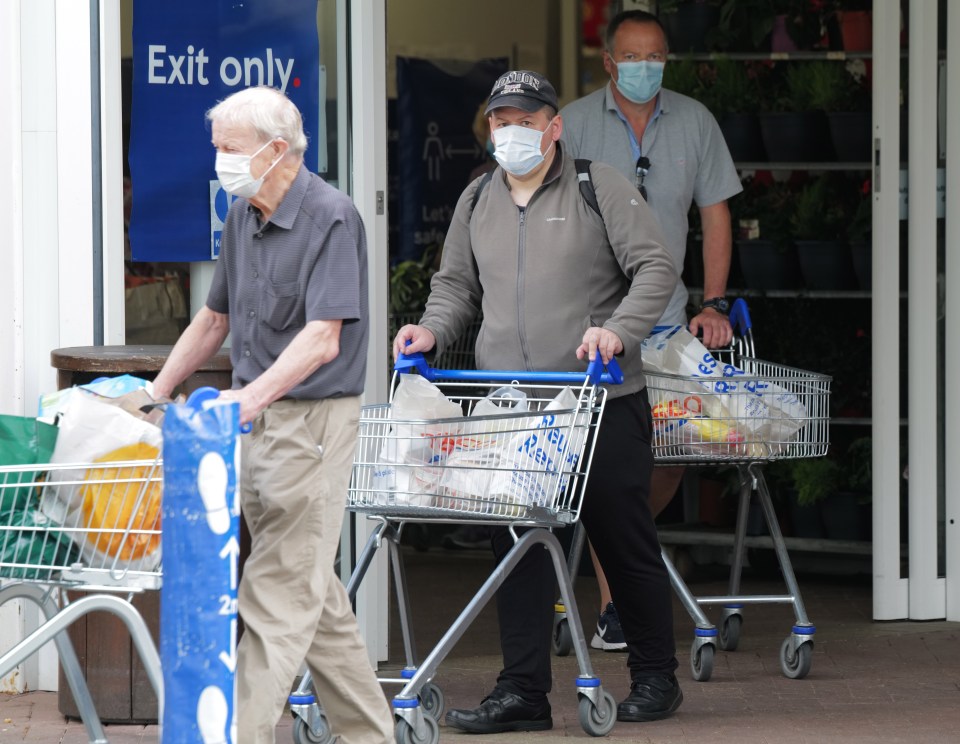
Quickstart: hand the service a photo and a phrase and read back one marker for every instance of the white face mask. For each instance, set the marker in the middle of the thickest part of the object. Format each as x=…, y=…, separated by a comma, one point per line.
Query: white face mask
x=518, y=149
x=233, y=171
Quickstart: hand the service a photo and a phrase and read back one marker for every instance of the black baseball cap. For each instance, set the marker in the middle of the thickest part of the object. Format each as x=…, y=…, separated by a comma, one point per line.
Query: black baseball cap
x=522, y=89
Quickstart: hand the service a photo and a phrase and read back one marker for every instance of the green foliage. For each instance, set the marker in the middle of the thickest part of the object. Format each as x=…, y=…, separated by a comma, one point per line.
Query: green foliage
x=764, y=207
x=743, y=25
x=730, y=87
x=799, y=85
x=818, y=213
x=861, y=223
x=832, y=87
x=858, y=466
x=410, y=283
x=682, y=76
x=815, y=478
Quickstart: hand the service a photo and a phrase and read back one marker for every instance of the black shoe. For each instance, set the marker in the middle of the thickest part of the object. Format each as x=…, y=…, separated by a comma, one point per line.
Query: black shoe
x=651, y=698
x=502, y=711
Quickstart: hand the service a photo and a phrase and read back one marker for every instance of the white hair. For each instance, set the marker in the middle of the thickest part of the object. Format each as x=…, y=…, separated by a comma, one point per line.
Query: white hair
x=268, y=111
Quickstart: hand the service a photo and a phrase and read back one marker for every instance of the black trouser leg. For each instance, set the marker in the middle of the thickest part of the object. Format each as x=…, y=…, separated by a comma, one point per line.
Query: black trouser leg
x=525, y=610
x=616, y=516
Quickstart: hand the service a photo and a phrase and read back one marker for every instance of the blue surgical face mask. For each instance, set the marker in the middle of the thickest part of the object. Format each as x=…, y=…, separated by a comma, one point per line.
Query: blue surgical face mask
x=640, y=81
x=518, y=149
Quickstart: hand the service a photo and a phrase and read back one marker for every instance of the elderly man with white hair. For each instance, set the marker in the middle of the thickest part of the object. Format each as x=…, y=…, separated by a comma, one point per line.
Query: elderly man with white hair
x=291, y=288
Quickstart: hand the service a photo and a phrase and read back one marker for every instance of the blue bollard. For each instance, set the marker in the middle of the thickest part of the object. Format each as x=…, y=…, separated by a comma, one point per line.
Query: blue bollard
x=201, y=548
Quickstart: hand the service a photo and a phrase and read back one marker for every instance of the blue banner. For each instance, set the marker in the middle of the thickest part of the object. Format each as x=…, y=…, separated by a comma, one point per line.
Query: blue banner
x=187, y=56
x=436, y=106
x=201, y=549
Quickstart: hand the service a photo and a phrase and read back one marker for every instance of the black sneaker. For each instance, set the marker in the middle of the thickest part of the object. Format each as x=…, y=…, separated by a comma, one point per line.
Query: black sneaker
x=609, y=635
x=651, y=698
x=502, y=711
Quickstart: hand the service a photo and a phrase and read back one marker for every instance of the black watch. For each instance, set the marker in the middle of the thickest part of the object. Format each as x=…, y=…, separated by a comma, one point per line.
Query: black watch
x=720, y=304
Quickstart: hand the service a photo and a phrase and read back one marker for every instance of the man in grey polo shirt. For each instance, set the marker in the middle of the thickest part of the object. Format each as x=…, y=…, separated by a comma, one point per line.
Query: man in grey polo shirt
x=671, y=148
x=291, y=288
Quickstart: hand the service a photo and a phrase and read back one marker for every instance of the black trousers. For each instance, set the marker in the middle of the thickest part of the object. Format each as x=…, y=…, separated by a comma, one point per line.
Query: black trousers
x=616, y=515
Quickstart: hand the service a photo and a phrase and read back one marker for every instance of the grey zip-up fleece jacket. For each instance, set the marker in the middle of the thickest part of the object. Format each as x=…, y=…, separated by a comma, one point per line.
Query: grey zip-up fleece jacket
x=544, y=274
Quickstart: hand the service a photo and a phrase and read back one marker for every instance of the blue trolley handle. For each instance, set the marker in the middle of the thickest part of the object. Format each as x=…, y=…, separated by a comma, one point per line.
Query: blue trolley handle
x=201, y=395
x=740, y=317
x=596, y=373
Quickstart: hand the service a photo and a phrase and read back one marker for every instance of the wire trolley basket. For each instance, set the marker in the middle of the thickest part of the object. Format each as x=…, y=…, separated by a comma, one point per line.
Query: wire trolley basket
x=92, y=526
x=756, y=411
x=519, y=452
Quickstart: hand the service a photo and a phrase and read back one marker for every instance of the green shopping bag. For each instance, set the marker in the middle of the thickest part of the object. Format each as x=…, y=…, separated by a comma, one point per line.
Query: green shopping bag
x=28, y=539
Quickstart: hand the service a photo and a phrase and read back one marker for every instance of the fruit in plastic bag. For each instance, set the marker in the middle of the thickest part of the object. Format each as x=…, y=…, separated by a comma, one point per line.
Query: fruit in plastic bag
x=109, y=504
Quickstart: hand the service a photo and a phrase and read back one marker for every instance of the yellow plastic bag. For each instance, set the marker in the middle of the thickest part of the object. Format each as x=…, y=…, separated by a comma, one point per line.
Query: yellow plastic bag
x=132, y=507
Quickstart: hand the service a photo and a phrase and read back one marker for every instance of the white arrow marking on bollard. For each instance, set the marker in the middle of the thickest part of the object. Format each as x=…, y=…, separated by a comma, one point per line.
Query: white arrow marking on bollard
x=232, y=549
x=230, y=660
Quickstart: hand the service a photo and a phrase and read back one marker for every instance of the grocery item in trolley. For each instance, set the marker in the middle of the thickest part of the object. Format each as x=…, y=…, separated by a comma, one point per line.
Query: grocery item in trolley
x=113, y=512
x=714, y=408
x=27, y=544
x=425, y=429
x=505, y=463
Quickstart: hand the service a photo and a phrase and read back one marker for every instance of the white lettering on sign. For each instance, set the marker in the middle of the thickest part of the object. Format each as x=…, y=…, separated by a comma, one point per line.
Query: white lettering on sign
x=190, y=69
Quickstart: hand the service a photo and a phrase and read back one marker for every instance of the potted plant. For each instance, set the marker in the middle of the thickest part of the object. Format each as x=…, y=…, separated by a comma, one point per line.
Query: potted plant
x=731, y=90
x=410, y=284
x=761, y=219
x=687, y=23
x=796, y=25
x=793, y=128
x=842, y=92
x=683, y=76
x=743, y=25
x=818, y=222
x=846, y=510
x=855, y=21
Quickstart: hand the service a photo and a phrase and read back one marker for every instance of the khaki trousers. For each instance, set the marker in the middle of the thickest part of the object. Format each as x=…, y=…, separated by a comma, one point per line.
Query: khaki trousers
x=293, y=605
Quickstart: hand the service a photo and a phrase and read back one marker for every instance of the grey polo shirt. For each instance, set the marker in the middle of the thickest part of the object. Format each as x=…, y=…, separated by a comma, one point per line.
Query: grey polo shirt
x=689, y=162
x=307, y=262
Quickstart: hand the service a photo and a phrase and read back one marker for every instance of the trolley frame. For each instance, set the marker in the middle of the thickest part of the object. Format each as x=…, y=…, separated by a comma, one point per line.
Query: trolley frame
x=559, y=481
x=782, y=435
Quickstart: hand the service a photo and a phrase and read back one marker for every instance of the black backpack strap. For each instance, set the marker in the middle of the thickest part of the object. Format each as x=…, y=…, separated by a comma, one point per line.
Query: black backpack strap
x=586, y=185
x=484, y=180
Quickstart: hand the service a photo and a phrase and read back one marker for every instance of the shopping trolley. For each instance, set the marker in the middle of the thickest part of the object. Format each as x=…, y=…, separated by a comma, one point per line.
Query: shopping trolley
x=104, y=539
x=742, y=431
x=522, y=466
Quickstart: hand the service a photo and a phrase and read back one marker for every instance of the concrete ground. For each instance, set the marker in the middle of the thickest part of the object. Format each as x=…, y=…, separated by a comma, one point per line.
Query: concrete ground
x=869, y=681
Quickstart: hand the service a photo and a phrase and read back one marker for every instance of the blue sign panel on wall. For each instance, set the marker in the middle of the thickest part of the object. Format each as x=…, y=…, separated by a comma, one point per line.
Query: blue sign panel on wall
x=187, y=56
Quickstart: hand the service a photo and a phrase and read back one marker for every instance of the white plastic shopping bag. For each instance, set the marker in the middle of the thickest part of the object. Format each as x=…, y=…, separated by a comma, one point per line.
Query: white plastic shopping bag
x=535, y=460
x=478, y=449
x=113, y=509
x=426, y=425
x=745, y=408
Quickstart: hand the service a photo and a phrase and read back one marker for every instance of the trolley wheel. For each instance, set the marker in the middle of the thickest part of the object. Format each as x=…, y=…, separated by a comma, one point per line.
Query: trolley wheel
x=598, y=720
x=728, y=636
x=303, y=734
x=431, y=700
x=406, y=735
x=562, y=640
x=701, y=661
x=796, y=665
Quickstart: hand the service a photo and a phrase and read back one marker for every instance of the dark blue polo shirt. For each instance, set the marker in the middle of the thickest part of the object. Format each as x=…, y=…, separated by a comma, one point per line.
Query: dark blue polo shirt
x=307, y=262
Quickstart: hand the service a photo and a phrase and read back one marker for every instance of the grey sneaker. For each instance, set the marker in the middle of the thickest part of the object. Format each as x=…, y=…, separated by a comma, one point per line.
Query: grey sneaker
x=609, y=635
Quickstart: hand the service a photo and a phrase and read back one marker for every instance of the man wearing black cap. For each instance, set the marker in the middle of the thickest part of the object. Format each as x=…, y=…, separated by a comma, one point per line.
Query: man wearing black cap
x=557, y=283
